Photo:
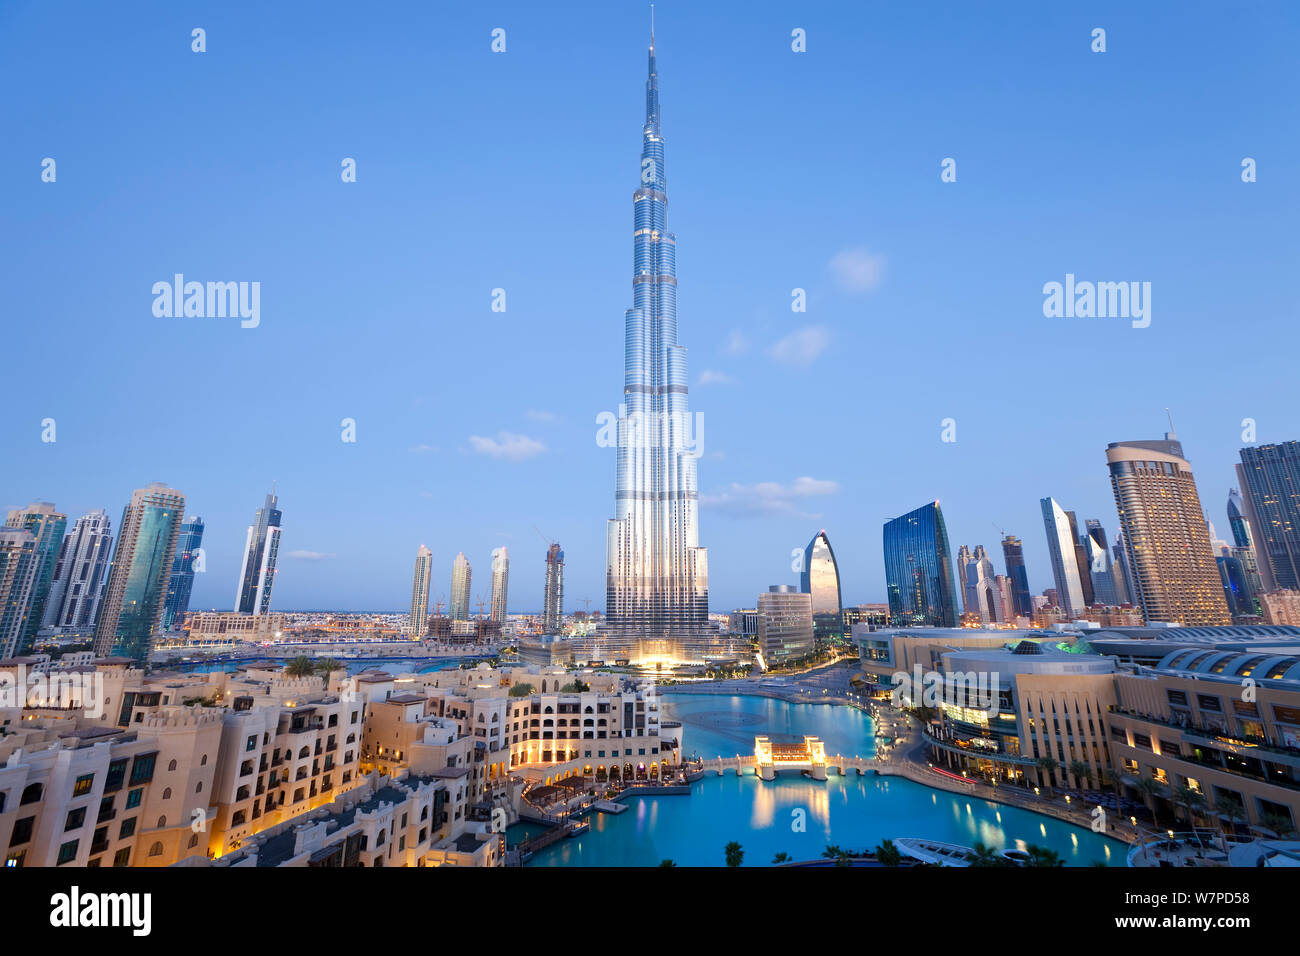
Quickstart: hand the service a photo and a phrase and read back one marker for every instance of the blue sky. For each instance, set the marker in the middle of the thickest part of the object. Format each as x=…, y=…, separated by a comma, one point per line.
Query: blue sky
x=816, y=170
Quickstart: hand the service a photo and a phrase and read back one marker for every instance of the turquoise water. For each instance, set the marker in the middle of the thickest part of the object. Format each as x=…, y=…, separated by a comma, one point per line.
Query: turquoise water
x=796, y=815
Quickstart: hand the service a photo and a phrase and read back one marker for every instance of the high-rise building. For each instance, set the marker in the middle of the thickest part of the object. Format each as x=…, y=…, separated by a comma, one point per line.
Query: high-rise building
x=81, y=573
x=1061, y=542
x=261, y=550
x=1081, y=561
x=461, y=575
x=132, y=608
x=1014, y=553
x=553, y=598
x=419, y=619
x=1269, y=476
x=1101, y=568
x=1236, y=589
x=785, y=624
x=181, y=583
x=820, y=578
x=500, y=585
x=1237, y=520
x=1124, y=584
x=981, y=594
x=1165, y=534
x=18, y=566
x=657, y=575
x=46, y=525
x=919, y=576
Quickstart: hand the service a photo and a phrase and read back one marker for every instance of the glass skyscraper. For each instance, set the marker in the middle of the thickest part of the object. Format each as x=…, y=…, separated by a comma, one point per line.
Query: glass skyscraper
x=46, y=526
x=461, y=576
x=1270, y=485
x=1014, y=553
x=657, y=590
x=81, y=574
x=182, y=580
x=1062, y=550
x=498, y=608
x=137, y=582
x=820, y=578
x=261, y=551
x=919, y=569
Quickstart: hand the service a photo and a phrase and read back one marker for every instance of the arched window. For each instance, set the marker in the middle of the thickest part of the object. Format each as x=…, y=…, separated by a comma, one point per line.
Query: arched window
x=156, y=850
x=204, y=761
x=194, y=840
x=379, y=840
x=171, y=765
x=198, y=787
x=167, y=793
x=162, y=822
x=305, y=752
x=32, y=794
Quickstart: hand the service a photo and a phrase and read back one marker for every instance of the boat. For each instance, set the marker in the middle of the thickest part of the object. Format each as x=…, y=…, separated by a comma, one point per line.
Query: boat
x=931, y=851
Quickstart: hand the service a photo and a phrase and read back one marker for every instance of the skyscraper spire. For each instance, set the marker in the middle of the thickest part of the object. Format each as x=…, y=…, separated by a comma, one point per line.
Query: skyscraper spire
x=652, y=84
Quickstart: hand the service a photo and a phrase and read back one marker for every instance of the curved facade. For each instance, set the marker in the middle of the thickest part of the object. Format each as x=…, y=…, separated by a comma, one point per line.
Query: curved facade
x=656, y=572
x=919, y=570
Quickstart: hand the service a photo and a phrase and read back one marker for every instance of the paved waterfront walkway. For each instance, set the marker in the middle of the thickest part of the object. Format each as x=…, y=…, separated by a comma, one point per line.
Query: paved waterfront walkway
x=910, y=760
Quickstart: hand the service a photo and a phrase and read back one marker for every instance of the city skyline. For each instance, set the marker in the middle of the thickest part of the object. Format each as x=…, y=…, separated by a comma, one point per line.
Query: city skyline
x=527, y=455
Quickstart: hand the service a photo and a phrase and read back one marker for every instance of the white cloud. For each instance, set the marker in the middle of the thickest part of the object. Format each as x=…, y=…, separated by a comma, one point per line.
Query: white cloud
x=312, y=555
x=541, y=415
x=857, y=270
x=735, y=343
x=802, y=346
x=713, y=377
x=770, y=497
x=422, y=449
x=506, y=446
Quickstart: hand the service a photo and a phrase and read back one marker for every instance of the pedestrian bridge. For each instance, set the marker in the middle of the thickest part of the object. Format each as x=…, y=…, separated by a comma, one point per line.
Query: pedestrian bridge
x=788, y=753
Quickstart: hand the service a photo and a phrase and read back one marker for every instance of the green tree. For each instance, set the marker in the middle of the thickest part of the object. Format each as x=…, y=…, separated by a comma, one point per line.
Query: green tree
x=1046, y=767
x=300, y=666
x=1152, y=790
x=1041, y=856
x=327, y=665
x=888, y=854
x=1080, y=771
x=781, y=858
x=523, y=689
x=735, y=853
x=666, y=863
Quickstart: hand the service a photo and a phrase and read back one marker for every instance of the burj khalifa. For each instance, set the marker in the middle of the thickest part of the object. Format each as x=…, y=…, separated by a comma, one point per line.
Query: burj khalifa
x=657, y=575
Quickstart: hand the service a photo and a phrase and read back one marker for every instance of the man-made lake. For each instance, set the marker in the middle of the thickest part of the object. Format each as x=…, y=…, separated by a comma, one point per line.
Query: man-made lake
x=796, y=815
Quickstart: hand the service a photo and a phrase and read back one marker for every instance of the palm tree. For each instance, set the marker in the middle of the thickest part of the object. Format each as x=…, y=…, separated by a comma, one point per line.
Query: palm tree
x=327, y=665
x=1191, y=800
x=666, y=863
x=887, y=854
x=781, y=858
x=735, y=853
x=1152, y=790
x=1042, y=856
x=1279, y=824
x=1080, y=770
x=1230, y=808
x=1046, y=767
x=987, y=856
x=832, y=851
x=300, y=666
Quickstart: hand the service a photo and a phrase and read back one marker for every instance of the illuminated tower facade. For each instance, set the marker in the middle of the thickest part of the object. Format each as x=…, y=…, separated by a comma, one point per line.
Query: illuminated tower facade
x=657, y=590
